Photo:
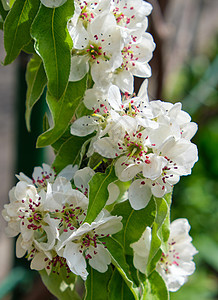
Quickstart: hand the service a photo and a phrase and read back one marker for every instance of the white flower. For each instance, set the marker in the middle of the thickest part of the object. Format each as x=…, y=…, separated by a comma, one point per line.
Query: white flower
x=131, y=14
x=102, y=41
x=174, y=266
x=136, y=55
x=85, y=244
x=53, y=3
x=46, y=174
x=85, y=12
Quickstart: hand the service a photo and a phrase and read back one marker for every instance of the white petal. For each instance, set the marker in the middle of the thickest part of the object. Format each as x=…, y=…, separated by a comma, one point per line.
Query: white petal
x=139, y=194
x=75, y=260
x=124, y=80
x=114, y=97
x=68, y=172
x=153, y=169
x=114, y=193
x=106, y=147
x=101, y=260
x=20, y=251
x=82, y=178
x=79, y=67
x=83, y=126
x=38, y=262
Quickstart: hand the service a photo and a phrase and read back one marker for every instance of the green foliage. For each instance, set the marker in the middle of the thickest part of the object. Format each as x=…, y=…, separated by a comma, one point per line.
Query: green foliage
x=118, y=290
x=134, y=223
x=97, y=284
x=155, y=288
x=59, y=285
x=98, y=192
x=53, y=44
x=17, y=27
x=62, y=111
x=36, y=81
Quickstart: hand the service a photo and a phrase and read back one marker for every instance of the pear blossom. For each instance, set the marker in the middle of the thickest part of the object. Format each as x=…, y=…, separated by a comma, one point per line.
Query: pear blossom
x=101, y=41
x=46, y=174
x=131, y=14
x=136, y=54
x=177, y=263
x=84, y=244
x=84, y=13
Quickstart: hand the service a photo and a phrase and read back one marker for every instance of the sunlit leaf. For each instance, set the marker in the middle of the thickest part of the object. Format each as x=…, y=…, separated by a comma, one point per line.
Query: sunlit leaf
x=36, y=81
x=155, y=288
x=160, y=231
x=53, y=44
x=17, y=27
x=134, y=222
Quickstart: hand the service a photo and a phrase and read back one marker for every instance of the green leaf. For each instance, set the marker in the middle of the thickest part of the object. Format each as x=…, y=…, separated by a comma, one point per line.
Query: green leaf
x=116, y=250
x=98, y=192
x=53, y=43
x=160, y=231
x=36, y=81
x=69, y=153
x=59, y=285
x=97, y=284
x=155, y=288
x=17, y=27
x=134, y=222
x=62, y=111
x=118, y=290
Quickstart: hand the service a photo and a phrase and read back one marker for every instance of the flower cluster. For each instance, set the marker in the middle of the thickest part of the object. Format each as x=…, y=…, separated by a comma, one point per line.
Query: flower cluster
x=174, y=266
x=150, y=141
x=49, y=217
x=109, y=38
x=146, y=146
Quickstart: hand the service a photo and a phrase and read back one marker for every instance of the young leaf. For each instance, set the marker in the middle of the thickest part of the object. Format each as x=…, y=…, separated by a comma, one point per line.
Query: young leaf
x=97, y=284
x=62, y=111
x=53, y=43
x=118, y=290
x=17, y=27
x=155, y=288
x=134, y=222
x=36, y=81
x=98, y=192
x=160, y=232
x=69, y=153
x=118, y=259
x=59, y=285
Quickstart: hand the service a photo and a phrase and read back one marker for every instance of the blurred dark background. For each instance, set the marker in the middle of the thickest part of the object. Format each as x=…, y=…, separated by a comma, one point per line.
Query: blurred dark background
x=185, y=69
